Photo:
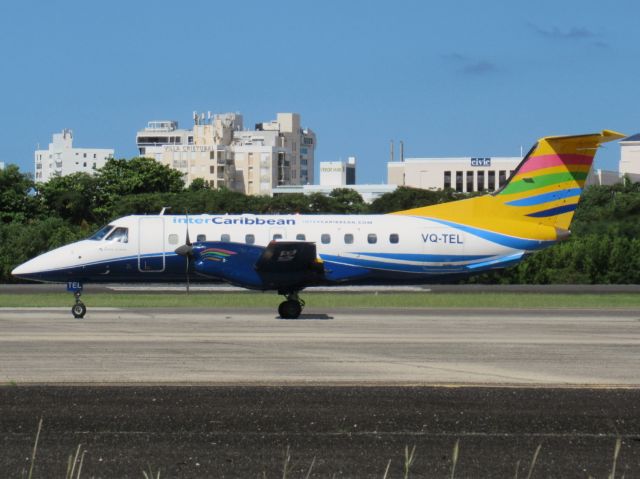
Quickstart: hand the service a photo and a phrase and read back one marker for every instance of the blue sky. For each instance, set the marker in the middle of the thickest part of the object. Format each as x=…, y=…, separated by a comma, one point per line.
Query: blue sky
x=462, y=78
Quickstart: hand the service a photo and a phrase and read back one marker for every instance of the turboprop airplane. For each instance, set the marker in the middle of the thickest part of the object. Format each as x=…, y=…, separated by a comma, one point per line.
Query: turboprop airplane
x=287, y=253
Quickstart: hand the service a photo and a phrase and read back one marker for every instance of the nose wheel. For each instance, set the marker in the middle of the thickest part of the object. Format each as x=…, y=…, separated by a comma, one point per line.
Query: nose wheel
x=78, y=309
x=292, y=307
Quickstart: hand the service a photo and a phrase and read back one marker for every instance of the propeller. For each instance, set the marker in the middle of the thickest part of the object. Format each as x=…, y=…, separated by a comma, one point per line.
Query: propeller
x=186, y=250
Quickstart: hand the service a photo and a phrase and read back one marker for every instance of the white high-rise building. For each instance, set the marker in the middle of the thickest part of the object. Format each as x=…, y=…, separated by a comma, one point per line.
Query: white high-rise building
x=63, y=159
x=221, y=152
x=630, y=157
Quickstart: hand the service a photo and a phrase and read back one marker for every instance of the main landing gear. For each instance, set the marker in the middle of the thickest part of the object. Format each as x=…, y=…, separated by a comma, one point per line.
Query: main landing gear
x=292, y=307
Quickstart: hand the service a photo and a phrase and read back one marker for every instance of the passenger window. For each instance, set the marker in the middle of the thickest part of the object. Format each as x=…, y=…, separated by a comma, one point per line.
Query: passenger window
x=394, y=238
x=201, y=238
x=173, y=239
x=121, y=235
x=372, y=238
x=249, y=239
x=325, y=238
x=277, y=236
x=348, y=238
x=225, y=238
x=301, y=237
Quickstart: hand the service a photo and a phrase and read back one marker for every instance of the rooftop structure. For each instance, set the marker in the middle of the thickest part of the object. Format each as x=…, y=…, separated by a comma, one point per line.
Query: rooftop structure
x=61, y=158
x=220, y=151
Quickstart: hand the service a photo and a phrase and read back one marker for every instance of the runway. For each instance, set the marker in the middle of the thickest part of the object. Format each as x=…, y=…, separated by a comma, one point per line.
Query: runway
x=226, y=393
x=343, y=347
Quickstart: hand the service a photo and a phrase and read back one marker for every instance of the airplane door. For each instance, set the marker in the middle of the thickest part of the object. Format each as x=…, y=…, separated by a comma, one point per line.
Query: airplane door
x=151, y=244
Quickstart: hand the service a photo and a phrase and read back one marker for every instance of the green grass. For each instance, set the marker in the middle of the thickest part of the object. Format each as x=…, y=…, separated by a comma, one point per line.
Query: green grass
x=329, y=300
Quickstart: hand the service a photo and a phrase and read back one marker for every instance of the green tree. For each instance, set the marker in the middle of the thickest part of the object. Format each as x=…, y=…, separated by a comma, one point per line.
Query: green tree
x=347, y=201
x=73, y=197
x=198, y=184
x=404, y=198
x=18, y=201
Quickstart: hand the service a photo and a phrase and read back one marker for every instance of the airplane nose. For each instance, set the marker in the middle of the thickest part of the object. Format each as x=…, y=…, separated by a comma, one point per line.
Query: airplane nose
x=25, y=269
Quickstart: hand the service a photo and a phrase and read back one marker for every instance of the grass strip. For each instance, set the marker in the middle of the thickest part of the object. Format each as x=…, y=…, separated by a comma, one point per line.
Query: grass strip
x=334, y=300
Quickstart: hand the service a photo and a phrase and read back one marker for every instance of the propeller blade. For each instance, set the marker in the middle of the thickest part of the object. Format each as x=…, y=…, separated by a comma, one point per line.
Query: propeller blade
x=187, y=250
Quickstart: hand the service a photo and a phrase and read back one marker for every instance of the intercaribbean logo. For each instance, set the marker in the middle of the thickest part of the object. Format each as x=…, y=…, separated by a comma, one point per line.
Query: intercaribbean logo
x=216, y=254
x=237, y=220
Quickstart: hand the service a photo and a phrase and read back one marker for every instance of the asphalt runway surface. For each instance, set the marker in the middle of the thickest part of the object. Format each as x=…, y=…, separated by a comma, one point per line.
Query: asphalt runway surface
x=197, y=393
x=214, y=431
x=253, y=346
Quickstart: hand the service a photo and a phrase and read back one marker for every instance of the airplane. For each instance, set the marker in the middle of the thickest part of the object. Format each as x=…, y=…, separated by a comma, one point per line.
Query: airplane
x=287, y=253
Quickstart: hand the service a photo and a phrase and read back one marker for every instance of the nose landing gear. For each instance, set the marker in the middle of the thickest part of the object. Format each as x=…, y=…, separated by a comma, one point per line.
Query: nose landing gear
x=292, y=307
x=78, y=309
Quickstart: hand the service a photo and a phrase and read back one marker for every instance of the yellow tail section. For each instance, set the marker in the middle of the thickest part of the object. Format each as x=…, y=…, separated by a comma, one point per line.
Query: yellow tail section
x=539, y=200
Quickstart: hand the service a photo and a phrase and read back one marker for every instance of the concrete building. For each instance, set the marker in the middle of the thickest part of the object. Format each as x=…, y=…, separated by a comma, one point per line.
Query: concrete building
x=63, y=159
x=338, y=174
x=470, y=174
x=630, y=157
x=221, y=152
x=466, y=174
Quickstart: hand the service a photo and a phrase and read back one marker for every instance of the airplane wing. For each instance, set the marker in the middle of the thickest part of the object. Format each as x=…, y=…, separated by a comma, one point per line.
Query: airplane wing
x=282, y=265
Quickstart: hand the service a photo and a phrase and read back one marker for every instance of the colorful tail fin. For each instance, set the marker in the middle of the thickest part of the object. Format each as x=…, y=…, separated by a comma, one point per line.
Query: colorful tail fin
x=539, y=199
x=547, y=184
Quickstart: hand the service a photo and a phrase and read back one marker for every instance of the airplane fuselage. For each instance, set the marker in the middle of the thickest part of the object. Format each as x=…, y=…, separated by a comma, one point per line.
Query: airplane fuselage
x=352, y=247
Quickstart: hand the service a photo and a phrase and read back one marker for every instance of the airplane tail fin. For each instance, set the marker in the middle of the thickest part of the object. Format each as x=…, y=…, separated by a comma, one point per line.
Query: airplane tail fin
x=539, y=199
x=547, y=184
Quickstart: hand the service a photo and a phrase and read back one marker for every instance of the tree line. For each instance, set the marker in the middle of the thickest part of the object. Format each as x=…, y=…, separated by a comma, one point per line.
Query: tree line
x=36, y=217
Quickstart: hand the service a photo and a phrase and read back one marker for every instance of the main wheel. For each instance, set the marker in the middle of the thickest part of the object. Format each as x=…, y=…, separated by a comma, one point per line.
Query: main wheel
x=290, y=309
x=79, y=310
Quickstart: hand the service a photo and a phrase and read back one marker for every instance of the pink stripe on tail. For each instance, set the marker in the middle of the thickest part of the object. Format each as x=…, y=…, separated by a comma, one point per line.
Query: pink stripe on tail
x=548, y=161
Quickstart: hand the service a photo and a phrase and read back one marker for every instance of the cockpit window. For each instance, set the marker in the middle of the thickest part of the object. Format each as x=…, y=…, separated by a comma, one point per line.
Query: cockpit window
x=101, y=233
x=121, y=235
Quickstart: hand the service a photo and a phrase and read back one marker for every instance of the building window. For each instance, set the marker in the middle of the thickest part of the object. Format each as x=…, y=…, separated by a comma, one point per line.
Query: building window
x=325, y=238
x=502, y=177
x=84, y=155
x=458, y=181
x=301, y=237
x=469, y=181
x=480, y=180
x=348, y=238
x=447, y=179
x=372, y=238
x=201, y=238
x=277, y=236
x=394, y=238
x=173, y=239
x=492, y=181
x=250, y=239
x=190, y=140
x=84, y=164
x=225, y=238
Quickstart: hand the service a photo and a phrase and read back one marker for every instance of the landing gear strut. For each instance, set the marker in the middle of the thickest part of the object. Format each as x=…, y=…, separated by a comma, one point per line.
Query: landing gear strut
x=78, y=309
x=292, y=307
